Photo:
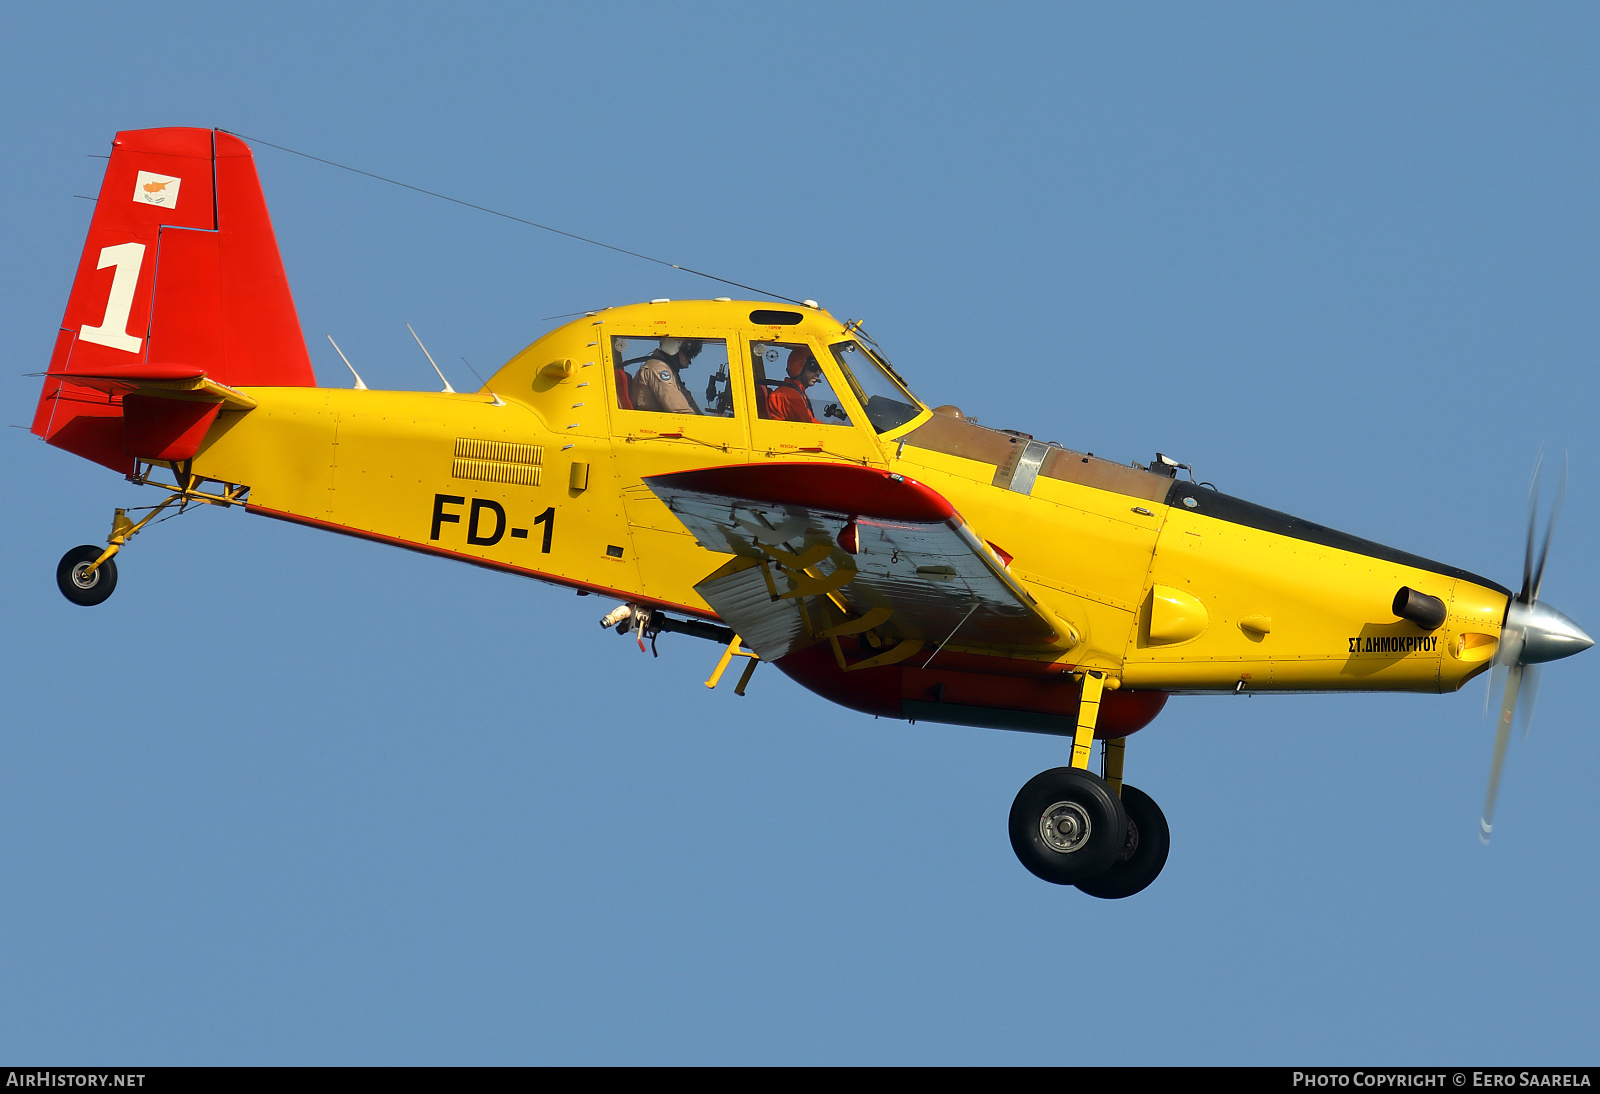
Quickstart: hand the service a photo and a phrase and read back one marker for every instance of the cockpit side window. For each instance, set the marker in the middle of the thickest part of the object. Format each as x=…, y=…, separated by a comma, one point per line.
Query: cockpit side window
x=790, y=385
x=887, y=403
x=665, y=375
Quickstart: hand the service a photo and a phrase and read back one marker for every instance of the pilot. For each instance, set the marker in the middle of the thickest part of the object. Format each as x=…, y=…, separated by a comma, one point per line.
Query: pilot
x=657, y=386
x=788, y=402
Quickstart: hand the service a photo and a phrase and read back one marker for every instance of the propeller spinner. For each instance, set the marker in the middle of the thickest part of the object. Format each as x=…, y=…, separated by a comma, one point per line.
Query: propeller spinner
x=1533, y=634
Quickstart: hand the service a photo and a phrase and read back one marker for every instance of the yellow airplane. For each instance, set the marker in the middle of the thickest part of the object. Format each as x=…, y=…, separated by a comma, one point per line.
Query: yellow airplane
x=759, y=474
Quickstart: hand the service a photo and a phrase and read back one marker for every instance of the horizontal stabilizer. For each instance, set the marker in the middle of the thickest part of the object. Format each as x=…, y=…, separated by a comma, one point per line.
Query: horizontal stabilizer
x=165, y=381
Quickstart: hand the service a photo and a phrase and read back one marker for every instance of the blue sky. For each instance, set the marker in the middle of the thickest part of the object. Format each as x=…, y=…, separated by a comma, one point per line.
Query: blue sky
x=290, y=798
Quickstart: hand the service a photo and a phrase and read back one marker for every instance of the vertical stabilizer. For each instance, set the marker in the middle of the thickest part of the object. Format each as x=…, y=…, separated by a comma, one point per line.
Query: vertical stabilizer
x=180, y=273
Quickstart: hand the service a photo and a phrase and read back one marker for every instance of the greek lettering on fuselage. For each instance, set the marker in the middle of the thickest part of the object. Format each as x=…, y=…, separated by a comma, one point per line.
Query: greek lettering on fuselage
x=1393, y=643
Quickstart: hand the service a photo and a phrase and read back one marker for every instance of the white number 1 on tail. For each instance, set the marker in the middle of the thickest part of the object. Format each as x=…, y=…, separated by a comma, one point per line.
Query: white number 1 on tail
x=113, y=329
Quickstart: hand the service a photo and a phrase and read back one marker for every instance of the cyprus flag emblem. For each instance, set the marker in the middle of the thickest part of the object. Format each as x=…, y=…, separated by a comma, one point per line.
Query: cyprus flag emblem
x=153, y=189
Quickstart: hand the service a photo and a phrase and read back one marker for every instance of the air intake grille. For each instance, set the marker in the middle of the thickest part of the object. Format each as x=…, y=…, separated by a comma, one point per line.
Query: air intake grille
x=500, y=451
x=497, y=461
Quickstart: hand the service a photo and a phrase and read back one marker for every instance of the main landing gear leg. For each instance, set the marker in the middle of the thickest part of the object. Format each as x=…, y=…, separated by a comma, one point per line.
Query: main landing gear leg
x=1111, y=752
x=1071, y=827
x=1144, y=852
x=1067, y=824
x=1094, y=686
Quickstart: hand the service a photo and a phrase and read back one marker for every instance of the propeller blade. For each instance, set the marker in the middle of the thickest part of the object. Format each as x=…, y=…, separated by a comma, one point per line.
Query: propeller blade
x=1526, y=594
x=1533, y=631
x=1550, y=528
x=1496, y=678
x=1526, y=697
x=1502, y=737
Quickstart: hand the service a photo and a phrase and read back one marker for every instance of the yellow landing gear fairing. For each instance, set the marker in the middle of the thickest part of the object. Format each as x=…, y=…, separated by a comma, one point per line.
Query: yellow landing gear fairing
x=756, y=474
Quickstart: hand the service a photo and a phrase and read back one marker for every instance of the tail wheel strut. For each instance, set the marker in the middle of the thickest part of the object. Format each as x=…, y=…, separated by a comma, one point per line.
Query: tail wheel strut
x=87, y=575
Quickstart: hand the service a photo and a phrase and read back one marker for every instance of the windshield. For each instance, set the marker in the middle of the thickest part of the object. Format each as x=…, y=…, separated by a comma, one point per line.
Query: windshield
x=887, y=402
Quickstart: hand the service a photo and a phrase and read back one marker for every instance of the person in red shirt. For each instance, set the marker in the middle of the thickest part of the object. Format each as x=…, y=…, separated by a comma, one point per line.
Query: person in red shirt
x=787, y=402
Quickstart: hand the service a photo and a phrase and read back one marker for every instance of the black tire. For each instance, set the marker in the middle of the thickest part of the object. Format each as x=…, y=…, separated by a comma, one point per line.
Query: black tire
x=1144, y=853
x=101, y=584
x=1067, y=826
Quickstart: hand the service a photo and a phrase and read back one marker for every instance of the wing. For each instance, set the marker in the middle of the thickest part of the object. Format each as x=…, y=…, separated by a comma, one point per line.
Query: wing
x=825, y=550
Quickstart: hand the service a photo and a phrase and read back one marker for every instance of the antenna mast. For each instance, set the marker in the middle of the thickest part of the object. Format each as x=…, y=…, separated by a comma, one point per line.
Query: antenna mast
x=360, y=384
x=431, y=361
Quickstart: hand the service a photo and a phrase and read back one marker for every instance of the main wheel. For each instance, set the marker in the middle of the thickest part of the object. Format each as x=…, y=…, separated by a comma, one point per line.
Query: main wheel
x=1143, y=854
x=86, y=590
x=1067, y=826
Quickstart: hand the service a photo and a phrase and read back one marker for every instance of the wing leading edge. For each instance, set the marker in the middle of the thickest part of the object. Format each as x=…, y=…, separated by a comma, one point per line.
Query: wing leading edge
x=827, y=550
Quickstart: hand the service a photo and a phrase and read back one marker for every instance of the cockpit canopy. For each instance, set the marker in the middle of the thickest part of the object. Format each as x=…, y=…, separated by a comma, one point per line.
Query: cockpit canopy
x=887, y=401
x=727, y=359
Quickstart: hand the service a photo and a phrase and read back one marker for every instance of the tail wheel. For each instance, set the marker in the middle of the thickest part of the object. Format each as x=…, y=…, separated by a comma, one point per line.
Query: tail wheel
x=1067, y=826
x=81, y=587
x=1143, y=854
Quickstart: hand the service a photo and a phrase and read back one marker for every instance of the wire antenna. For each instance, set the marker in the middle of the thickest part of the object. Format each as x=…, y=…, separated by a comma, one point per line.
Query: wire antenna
x=519, y=220
x=448, y=389
x=497, y=400
x=361, y=385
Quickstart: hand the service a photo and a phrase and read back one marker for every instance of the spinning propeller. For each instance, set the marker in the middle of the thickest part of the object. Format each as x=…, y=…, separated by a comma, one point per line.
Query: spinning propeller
x=1533, y=634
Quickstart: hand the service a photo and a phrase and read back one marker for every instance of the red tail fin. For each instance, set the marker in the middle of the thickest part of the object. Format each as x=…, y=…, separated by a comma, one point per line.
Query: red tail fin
x=180, y=269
